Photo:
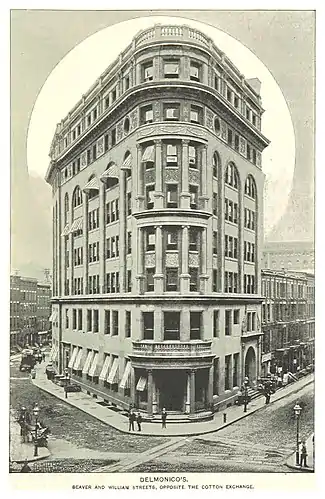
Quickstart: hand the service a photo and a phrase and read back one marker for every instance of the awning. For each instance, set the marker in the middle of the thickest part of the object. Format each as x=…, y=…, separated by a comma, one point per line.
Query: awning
x=93, y=184
x=73, y=357
x=126, y=376
x=77, y=224
x=88, y=362
x=54, y=352
x=142, y=383
x=104, y=371
x=53, y=316
x=43, y=332
x=148, y=154
x=92, y=370
x=66, y=230
x=113, y=375
x=127, y=162
x=76, y=365
x=111, y=172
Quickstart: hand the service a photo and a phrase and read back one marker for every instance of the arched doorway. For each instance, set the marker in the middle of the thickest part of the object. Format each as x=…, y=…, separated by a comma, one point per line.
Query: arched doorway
x=250, y=364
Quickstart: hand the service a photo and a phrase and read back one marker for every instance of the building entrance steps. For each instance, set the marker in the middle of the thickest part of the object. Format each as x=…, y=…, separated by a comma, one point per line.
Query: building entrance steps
x=89, y=405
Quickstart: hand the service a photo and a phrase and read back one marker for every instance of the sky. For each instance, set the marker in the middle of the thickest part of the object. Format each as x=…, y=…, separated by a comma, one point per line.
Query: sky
x=78, y=70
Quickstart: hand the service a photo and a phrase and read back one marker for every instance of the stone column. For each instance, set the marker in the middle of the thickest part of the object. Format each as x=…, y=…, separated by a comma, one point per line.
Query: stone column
x=204, y=180
x=158, y=329
x=185, y=276
x=203, y=274
x=188, y=393
x=159, y=276
x=192, y=391
x=159, y=196
x=150, y=393
x=122, y=229
x=154, y=396
x=221, y=234
x=85, y=241
x=102, y=238
x=185, y=195
x=140, y=262
x=185, y=325
x=140, y=187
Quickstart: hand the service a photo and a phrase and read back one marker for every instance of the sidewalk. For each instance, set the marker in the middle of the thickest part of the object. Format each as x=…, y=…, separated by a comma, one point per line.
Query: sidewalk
x=291, y=462
x=21, y=452
x=88, y=405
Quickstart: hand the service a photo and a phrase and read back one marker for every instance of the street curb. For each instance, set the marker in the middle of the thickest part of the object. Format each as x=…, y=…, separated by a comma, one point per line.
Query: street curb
x=298, y=468
x=242, y=416
x=32, y=459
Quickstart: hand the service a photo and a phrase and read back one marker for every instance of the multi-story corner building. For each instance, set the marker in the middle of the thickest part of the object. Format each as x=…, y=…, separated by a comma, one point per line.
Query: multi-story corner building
x=157, y=228
x=288, y=320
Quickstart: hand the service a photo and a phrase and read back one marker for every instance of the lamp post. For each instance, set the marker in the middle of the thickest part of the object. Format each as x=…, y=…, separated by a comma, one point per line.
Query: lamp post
x=297, y=410
x=66, y=382
x=36, y=413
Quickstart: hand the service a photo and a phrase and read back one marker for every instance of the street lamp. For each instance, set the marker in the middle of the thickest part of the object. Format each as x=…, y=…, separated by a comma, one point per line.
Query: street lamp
x=36, y=413
x=297, y=410
x=66, y=382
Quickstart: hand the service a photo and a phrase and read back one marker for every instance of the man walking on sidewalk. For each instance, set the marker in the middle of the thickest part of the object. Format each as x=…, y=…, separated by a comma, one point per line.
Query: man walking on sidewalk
x=139, y=421
x=131, y=421
x=163, y=418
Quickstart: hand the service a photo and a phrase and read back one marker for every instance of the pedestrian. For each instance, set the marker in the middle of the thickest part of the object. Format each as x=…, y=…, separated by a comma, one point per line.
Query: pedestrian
x=267, y=397
x=139, y=421
x=33, y=373
x=43, y=356
x=131, y=421
x=26, y=468
x=163, y=418
x=303, y=455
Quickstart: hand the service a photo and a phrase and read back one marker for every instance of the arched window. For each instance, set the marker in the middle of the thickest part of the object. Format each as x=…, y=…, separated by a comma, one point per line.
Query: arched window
x=77, y=197
x=66, y=209
x=232, y=177
x=250, y=187
x=215, y=164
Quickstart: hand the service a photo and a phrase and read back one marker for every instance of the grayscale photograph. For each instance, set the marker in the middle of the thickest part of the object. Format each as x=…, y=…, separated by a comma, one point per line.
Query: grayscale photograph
x=162, y=288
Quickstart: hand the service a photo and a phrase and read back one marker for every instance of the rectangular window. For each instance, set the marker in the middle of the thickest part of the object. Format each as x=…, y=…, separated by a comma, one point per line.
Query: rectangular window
x=171, y=279
x=193, y=240
x=171, y=326
x=228, y=322
x=129, y=243
x=113, y=137
x=67, y=318
x=193, y=197
x=146, y=115
x=89, y=320
x=171, y=112
x=195, y=325
x=172, y=199
x=127, y=324
x=129, y=203
x=216, y=315
x=195, y=71
x=150, y=271
x=115, y=323
x=192, y=157
x=171, y=159
x=94, y=152
x=194, y=277
x=148, y=325
x=148, y=71
x=215, y=204
x=216, y=376
x=196, y=115
x=129, y=281
x=74, y=318
x=230, y=137
x=215, y=242
x=79, y=319
x=237, y=142
x=107, y=322
x=236, y=316
x=172, y=239
x=215, y=280
x=151, y=239
x=150, y=196
x=126, y=83
x=96, y=321
x=227, y=371
x=235, y=381
x=171, y=69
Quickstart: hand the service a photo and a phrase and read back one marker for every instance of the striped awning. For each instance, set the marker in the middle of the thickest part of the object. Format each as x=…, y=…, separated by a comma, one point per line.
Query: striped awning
x=111, y=172
x=148, y=154
x=142, y=383
x=88, y=362
x=53, y=316
x=104, y=371
x=127, y=162
x=77, y=224
x=125, y=382
x=93, y=368
x=93, y=184
x=76, y=365
x=66, y=230
x=113, y=375
x=54, y=352
x=73, y=357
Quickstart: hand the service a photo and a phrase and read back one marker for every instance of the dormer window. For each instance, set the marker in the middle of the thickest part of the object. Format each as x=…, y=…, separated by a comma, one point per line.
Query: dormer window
x=171, y=69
